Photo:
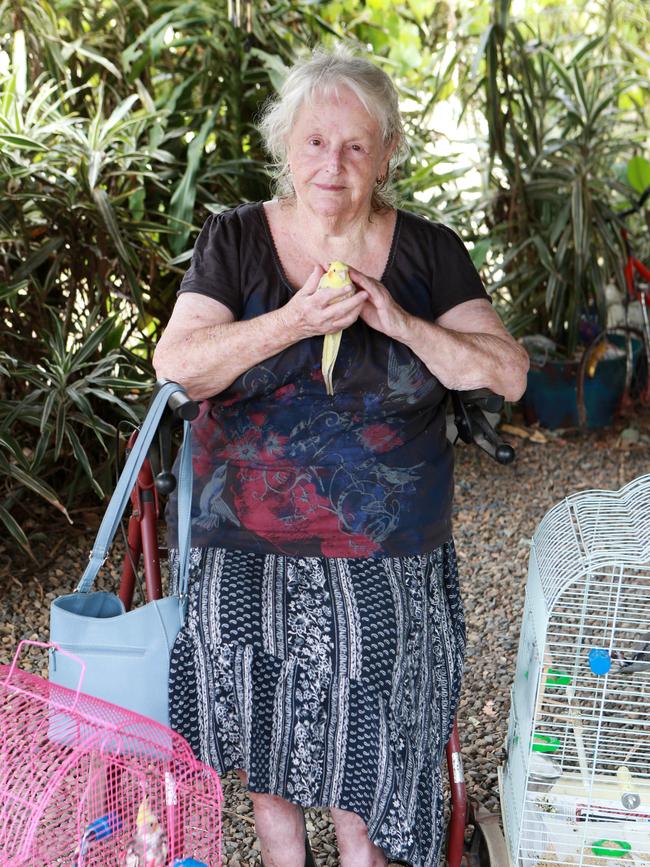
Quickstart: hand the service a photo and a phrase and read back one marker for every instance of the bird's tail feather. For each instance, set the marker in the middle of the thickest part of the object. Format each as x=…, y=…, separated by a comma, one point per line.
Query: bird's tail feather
x=331, y=343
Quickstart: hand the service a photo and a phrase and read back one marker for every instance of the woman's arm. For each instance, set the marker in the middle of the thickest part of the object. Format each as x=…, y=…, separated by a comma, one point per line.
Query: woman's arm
x=204, y=349
x=466, y=348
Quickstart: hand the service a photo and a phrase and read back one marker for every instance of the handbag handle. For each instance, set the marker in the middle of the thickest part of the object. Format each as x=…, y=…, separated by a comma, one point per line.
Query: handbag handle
x=125, y=485
x=185, y=478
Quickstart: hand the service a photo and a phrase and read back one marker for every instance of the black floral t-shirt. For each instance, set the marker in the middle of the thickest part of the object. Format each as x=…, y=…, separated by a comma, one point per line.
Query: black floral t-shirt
x=279, y=465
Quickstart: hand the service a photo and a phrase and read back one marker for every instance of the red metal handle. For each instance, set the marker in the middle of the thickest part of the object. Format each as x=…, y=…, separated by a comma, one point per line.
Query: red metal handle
x=458, y=818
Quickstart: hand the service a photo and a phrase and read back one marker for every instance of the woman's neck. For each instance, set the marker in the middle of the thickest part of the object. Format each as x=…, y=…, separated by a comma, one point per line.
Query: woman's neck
x=302, y=241
x=330, y=235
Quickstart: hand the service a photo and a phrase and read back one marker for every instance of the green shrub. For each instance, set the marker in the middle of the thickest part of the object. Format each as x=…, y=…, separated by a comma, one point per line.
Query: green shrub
x=123, y=124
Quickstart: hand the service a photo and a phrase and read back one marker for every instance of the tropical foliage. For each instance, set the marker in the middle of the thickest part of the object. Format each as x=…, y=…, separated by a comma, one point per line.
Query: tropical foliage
x=120, y=124
x=124, y=123
x=563, y=130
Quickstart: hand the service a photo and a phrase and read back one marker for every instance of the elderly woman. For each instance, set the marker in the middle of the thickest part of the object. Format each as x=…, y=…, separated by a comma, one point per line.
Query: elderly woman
x=323, y=653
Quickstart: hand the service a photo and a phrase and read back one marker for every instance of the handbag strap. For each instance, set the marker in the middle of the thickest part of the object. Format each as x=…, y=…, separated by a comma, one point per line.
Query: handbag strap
x=185, y=478
x=125, y=485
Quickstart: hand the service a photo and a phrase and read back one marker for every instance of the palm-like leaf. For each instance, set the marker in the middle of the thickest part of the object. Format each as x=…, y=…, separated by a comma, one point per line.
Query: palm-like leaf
x=557, y=149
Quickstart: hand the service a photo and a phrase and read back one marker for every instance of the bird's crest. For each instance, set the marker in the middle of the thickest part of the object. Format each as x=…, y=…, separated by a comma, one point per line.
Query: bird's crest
x=145, y=816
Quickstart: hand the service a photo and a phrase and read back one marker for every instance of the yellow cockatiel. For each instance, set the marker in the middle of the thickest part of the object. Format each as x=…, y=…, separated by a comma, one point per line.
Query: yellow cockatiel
x=336, y=277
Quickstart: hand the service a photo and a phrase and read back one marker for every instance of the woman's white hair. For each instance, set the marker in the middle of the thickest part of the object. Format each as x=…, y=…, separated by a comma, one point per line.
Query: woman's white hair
x=324, y=74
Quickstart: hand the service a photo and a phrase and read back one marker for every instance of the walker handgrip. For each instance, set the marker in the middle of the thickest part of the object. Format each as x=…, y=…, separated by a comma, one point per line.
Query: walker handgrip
x=483, y=398
x=183, y=408
x=180, y=404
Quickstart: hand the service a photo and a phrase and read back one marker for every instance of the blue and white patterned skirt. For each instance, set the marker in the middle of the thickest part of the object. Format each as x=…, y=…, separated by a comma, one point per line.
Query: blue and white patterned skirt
x=332, y=682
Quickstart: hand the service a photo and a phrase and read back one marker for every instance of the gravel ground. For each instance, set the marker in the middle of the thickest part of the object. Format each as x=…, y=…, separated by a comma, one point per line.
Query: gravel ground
x=496, y=512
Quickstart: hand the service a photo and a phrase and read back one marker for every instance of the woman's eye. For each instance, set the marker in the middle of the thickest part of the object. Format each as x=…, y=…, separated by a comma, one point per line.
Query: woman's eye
x=356, y=147
x=314, y=141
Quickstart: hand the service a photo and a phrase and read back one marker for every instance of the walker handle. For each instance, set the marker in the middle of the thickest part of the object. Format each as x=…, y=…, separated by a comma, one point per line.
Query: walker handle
x=179, y=402
x=473, y=427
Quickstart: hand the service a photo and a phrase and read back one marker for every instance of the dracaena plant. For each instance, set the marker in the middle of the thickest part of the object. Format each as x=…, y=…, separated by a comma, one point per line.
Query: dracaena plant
x=81, y=382
x=559, y=133
x=121, y=125
x=560, y=128
x=66, y=242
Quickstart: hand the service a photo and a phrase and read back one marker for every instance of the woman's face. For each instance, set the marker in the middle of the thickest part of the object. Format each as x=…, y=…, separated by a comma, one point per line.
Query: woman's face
x=336, y=154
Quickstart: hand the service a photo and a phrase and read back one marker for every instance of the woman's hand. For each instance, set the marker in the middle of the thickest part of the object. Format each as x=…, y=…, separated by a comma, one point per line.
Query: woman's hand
x=380, y=311
x=313, y=311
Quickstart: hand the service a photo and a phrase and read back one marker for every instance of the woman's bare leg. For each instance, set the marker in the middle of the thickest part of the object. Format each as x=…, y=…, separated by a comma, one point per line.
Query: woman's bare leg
x=280, y=829
x=355, y=848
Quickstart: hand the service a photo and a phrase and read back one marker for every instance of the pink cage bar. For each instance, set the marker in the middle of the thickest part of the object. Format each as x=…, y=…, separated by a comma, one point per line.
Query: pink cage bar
x=84, y=783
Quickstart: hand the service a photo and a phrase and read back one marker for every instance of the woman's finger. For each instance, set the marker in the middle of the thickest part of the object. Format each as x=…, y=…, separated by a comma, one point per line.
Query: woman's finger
x=330, y=296
x=344, y=313
x=311, y=284
x=377, y=292
x=342, y=307
x=363, y=280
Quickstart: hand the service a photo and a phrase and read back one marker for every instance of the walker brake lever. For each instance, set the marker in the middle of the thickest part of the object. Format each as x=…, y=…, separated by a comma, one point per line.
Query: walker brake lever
x=473, y=427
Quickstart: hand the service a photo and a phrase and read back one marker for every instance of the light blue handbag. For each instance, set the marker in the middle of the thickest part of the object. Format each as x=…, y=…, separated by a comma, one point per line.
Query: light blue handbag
x=126, y=653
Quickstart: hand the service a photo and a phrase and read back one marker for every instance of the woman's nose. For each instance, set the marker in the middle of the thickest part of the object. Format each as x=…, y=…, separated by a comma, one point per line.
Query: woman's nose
x=334, y=160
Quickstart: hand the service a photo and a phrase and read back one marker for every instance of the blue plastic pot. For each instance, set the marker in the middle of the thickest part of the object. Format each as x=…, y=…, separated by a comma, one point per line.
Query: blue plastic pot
x=550, y=397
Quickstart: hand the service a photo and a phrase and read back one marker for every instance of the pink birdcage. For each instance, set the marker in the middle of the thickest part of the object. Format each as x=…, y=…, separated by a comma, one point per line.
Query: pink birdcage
x=84, y=783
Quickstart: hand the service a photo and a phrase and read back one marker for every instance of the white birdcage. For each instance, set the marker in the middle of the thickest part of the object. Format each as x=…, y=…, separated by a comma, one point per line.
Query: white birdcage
x=576, y=781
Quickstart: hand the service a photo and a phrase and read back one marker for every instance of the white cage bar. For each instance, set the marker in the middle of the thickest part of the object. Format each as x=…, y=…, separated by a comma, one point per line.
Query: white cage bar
x=576, y=782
